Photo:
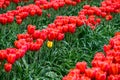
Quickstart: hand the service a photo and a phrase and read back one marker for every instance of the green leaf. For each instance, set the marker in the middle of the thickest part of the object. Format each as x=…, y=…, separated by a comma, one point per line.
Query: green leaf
x=51, y=74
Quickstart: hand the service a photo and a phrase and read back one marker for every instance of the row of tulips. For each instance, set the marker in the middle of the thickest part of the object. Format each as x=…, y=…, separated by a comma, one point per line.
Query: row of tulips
x=31, y=10
x=47, y=4
x=6, y=3
x=91, y=16
x=33, y=39
x=105, y=66
x=55, y=3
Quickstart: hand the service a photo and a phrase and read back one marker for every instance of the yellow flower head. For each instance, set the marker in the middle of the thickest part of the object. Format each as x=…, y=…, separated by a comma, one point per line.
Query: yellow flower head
x=49, y=44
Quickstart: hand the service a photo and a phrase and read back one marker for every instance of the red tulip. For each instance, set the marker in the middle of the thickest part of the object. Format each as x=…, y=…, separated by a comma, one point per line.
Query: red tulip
x=32, y=12
x=7, y=67
x=71, y=28
x=11, y=58
x=90, y=73
x=106, y=48
x=36, y=34
x=52, y=35
x=55, y=6
x=31, y=29
x=40, y=42
x=114, y=69
x=100, y=75
x=60, y=36
x=81, y=66
x=19, y=21
x=3, y=54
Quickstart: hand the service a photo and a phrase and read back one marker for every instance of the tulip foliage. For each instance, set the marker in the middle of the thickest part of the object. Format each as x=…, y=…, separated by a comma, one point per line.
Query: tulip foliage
x=105, y=65
x=33, y=39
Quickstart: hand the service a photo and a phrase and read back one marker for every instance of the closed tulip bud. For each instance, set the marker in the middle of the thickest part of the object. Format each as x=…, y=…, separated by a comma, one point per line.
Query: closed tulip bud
x=52, y=35
x=49, y=44
x=3, y=54
x=36, y=34
x=65, y=28
x=11, y=58
x=104, y=66
x=106, y=48
x=114, y=69
x=60, y=36
x=81, y=66
x=31, y=29
x=7, y=67
x=99, y=56
x=100, y=75
x=71, y=28
x=90, y=73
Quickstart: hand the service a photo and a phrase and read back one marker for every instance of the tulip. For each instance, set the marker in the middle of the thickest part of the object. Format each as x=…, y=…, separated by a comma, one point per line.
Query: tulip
x=49, y=44
x=7, y=67
x=81, y=66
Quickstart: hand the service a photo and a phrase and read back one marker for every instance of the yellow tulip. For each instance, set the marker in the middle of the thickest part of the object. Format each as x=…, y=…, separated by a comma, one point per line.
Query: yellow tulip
x=49, y=44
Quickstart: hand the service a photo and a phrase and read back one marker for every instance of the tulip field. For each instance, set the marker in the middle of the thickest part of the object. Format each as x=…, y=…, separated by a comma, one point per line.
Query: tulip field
x=59, y=39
